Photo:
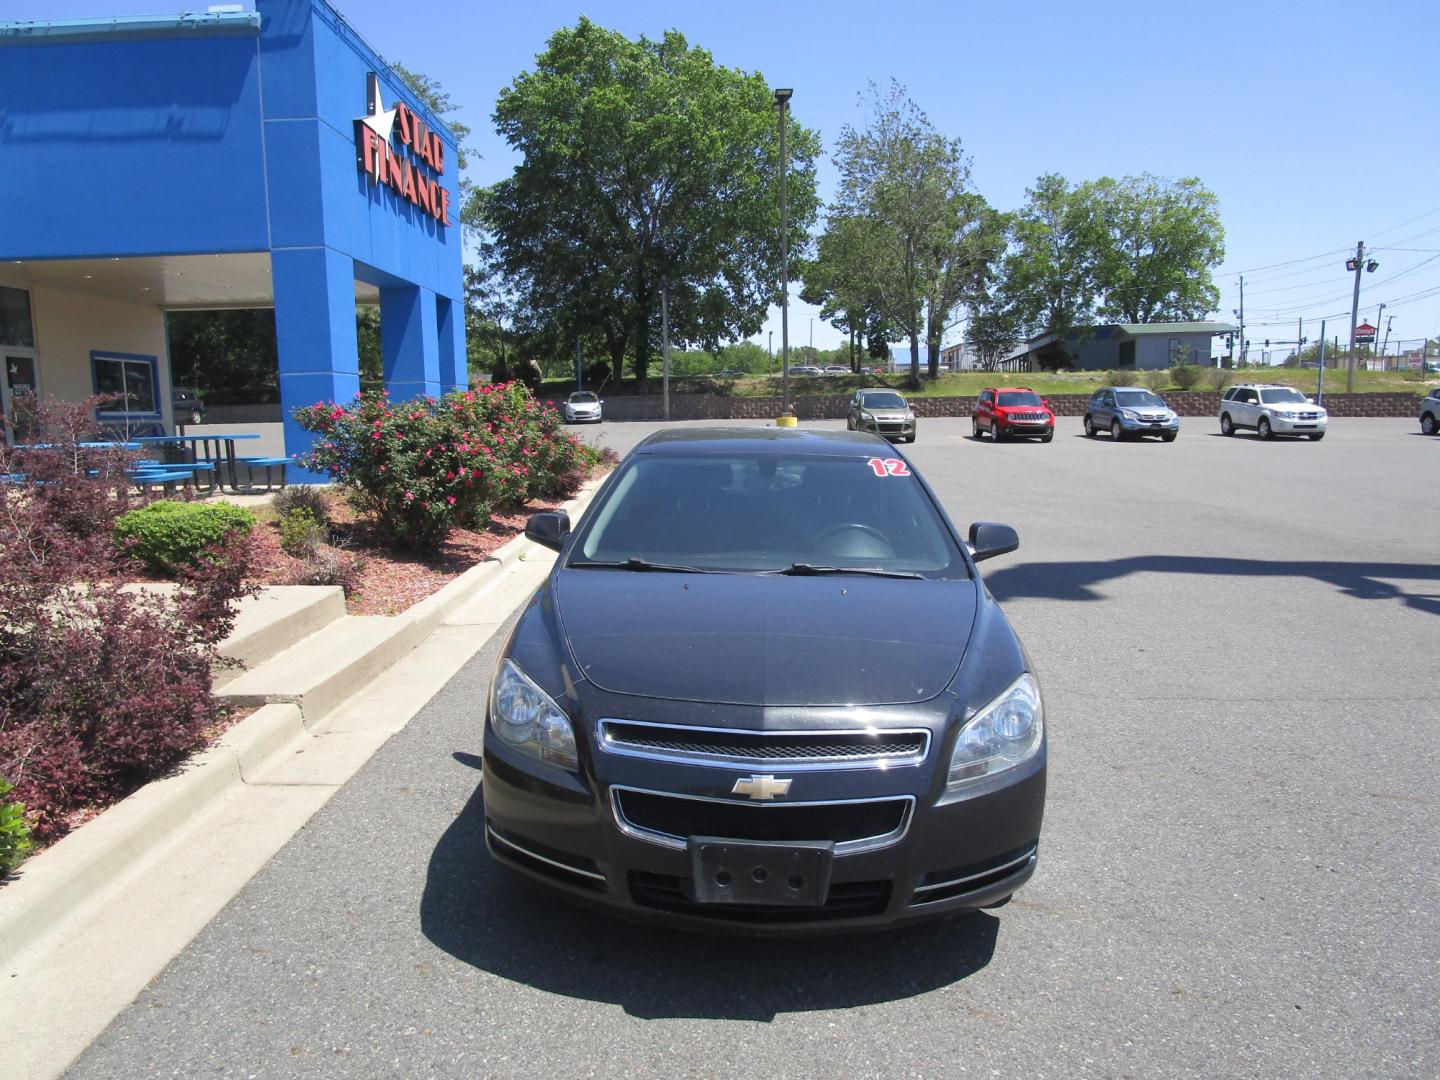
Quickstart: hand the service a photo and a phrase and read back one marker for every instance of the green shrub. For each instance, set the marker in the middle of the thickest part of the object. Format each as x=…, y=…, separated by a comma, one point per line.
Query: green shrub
x=14, y=833
x=303, y=497
x=166, y=535
x=300, y=533
x=1216, y=378
x=1156, y=380
x=326, y=565
x=1185, y=376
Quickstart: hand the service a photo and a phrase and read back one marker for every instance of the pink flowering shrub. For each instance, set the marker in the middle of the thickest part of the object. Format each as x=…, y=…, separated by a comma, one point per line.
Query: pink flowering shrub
x=424, y=466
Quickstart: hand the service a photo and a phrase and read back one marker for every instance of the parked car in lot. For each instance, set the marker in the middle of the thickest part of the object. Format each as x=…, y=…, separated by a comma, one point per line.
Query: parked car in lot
x=186, y=406
x=583, y=407
x=804, y=369
x=1008, y=412
x=695, y=719
x=1271, y=410
x=836, y=369
x=1129, y=410
x=885, y=412
x=1430, y=412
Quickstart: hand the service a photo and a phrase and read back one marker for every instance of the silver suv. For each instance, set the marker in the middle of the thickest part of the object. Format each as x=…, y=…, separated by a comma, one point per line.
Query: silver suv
x=1271, y=410
x=1430, y=413
x=885, y=412
x=1129, y=410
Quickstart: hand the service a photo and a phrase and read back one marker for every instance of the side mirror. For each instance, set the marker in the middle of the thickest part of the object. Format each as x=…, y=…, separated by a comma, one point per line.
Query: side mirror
x=1311, y=400
x=990, y=538
x=549, y=529
x=1045, y=401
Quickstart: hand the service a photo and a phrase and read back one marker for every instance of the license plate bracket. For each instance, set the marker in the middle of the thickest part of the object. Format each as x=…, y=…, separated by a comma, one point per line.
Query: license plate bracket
x=745, y=872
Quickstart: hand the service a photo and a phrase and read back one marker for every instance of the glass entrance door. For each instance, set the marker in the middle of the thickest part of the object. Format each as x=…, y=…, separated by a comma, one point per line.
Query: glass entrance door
x=18, y=389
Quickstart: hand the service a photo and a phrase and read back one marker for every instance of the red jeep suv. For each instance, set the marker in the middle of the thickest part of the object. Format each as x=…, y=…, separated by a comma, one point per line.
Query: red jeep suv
x=1012, y=411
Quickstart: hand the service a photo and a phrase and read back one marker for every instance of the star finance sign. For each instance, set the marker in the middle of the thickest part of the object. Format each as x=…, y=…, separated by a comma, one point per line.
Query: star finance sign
x=409, y=170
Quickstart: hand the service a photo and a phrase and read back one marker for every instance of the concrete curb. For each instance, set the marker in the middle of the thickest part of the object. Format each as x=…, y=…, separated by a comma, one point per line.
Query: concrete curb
x=55, y=884
x=83, y=867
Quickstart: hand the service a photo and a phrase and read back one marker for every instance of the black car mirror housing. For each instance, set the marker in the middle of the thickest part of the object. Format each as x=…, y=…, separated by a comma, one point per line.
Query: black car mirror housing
x=987, y=539
x=548, y=529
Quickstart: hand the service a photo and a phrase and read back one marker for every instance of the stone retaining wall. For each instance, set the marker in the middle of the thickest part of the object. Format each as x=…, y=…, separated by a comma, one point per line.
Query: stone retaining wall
x=832, y=407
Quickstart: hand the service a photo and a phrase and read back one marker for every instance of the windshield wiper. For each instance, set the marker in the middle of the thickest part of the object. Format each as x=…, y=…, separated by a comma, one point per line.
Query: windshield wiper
x=641, y=565
x=801, y=569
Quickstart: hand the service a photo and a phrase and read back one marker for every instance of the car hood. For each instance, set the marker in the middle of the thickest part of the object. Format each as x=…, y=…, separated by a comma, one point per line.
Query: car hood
x=765, y=640
x=884, y=410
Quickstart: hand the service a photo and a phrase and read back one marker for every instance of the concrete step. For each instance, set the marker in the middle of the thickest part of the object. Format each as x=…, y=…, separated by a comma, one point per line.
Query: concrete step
x=274, y=621
x=325, y=668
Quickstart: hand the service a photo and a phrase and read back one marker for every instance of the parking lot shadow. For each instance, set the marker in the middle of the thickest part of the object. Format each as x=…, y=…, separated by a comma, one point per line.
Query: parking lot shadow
x=480, y=915
x=1077, y=580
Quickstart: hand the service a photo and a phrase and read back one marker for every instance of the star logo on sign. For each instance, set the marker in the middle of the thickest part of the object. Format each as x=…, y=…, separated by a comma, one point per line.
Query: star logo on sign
x=379, y=119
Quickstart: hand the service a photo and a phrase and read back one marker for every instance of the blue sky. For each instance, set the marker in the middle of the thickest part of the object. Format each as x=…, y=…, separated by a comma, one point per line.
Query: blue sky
x=1314, y=123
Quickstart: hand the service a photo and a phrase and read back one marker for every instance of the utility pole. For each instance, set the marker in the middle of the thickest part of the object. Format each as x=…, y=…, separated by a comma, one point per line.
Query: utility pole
x=665, y=338
x=1299, y=341
x=579, y=368
x=770, y=351
x=1242, y=320
x=782, y=102
x=1320, y=379
x=1354, y=318
x=1385, y=348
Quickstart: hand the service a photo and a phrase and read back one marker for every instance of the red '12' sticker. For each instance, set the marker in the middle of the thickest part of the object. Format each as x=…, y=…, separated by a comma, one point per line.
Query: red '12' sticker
x=888, y=466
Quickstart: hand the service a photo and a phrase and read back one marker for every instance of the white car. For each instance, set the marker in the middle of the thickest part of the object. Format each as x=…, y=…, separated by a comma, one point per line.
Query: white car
x=1271, y=410
x=583, y=406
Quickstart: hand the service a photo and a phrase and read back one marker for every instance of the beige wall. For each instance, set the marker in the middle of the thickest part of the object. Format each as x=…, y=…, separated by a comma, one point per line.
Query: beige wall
x=68, y=326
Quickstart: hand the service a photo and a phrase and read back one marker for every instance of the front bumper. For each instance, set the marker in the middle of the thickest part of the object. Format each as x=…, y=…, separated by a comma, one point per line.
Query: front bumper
x=1025, y=428
x=582, y=417
x=889, y=428
x=1144, y=427
x=956, y=852
x=1308, y=424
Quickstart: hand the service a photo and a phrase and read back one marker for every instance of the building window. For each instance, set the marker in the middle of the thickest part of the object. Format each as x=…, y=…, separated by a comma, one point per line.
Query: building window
x=15, y=325
x=130, y=382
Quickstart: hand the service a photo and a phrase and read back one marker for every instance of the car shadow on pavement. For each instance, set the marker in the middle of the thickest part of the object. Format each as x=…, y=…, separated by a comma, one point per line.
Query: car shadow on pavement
x=1077, y=580
x=482, y=916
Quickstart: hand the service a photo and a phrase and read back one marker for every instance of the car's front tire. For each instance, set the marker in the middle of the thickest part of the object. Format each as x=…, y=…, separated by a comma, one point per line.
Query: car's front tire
x=1116, y=431
x=196, y=416
x=1089, y=427
x=1316, y=436
x=1428, y=424
x=1263, y=428
x=975, y=432
x=1227, y=426
x=1047, y=436
x=1169, y=436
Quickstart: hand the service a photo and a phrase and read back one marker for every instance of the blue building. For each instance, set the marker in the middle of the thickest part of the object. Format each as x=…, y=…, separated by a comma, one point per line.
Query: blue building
x=265, y=158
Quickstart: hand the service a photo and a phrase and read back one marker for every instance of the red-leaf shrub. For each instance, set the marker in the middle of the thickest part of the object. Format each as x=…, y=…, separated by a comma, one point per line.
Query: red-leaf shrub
x=101, y=688
x=424, y=466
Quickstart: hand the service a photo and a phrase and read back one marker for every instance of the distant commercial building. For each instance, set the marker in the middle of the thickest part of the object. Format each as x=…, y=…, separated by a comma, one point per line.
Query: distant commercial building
x=1122, y=346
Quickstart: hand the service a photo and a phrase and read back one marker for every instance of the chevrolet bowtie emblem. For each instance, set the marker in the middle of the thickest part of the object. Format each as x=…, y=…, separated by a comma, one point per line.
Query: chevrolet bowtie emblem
x=761, y=788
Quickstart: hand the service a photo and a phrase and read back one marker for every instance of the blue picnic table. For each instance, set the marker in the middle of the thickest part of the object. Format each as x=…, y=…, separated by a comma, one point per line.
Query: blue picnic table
x=215, y=449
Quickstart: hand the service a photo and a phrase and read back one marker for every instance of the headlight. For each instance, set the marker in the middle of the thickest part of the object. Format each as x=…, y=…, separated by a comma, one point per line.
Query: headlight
x=1127, y=414
x=866, y=416
x=528, y=719
x=1001, y=735
x=909, y=416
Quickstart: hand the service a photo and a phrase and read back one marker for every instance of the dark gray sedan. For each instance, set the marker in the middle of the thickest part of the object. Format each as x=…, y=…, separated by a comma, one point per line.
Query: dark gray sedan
x=764, y=687
x=1126, y=411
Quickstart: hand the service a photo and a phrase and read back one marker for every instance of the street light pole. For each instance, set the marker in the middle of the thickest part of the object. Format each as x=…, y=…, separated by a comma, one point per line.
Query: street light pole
x=782, y=102
x=1355, y=264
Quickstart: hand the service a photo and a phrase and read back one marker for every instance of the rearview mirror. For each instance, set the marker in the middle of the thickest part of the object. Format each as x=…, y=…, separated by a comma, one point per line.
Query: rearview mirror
x=990, y=538
x=548, y=529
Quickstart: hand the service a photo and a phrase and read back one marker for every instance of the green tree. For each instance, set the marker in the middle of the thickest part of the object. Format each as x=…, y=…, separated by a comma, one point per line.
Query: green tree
x=994, y=330
x=907, y=182
x=966, y=261
x=1049, y=273
x=230, y=356
x=440, y=103
x=643, y=165
x=1158, y=241
x=839, y=281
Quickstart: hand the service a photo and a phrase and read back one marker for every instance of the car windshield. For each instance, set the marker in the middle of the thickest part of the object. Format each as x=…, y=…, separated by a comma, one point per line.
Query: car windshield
x=1280, y=395
x=1138, y=399
x=1026, y=397
x=583, y=397
x=883, y=401
x=768, y=511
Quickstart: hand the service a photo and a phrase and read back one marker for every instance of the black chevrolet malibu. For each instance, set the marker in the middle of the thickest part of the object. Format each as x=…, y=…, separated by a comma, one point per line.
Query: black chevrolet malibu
x=765, y=687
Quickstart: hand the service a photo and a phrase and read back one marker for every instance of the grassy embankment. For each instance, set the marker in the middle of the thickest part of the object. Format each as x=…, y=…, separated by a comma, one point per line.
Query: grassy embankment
x=969, y=383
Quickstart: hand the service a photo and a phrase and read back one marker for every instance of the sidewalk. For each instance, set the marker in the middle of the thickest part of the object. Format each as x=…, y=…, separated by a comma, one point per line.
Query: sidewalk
x=86, y=924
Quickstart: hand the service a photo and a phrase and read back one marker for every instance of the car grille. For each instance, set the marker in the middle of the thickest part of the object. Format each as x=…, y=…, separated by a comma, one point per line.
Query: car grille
x=1026, y=418
x=847, y=900
x=792, y=749
x=673, y=819
x=1307, y=416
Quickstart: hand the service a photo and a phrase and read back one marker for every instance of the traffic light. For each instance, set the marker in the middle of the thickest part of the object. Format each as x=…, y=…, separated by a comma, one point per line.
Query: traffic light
x=1267, y=343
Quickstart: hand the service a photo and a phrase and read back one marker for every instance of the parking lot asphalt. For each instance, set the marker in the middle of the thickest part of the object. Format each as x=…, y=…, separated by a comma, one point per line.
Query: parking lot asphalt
x=1236, y=641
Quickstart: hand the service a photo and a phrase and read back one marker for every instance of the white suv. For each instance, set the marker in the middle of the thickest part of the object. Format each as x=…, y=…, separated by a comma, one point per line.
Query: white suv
x=1271, y=410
